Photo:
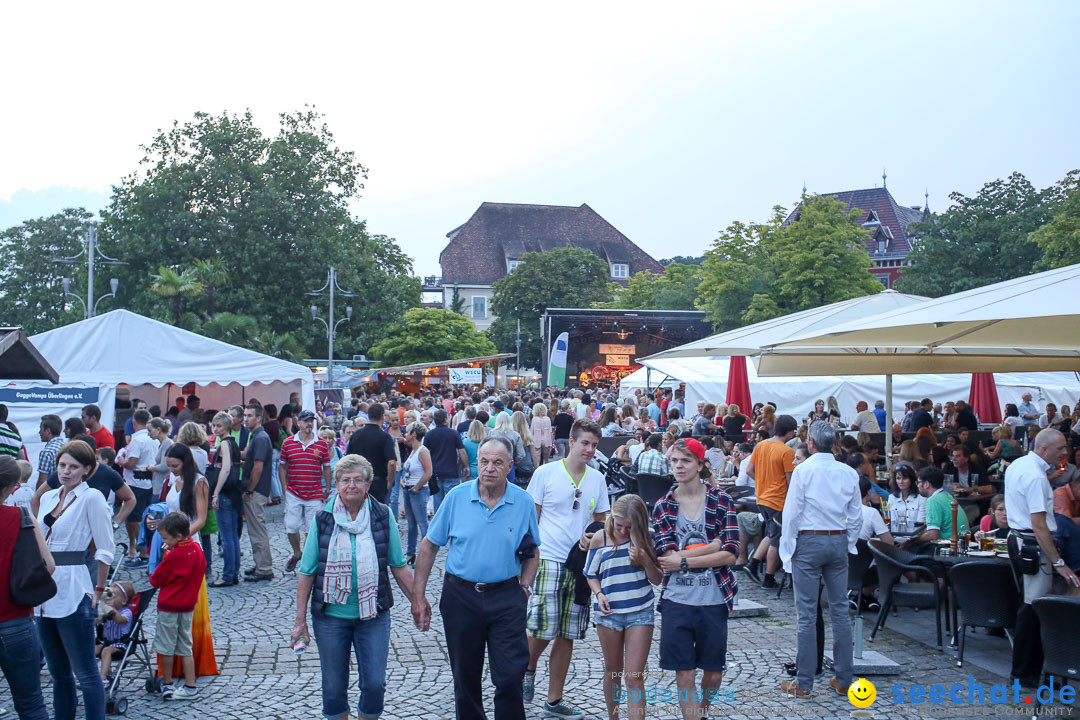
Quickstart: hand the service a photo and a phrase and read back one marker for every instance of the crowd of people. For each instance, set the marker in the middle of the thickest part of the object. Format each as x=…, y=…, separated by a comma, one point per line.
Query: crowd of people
x=537, y=554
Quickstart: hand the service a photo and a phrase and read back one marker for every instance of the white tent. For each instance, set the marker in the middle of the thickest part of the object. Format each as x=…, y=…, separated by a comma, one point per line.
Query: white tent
x=706, y=381
x=149, y=360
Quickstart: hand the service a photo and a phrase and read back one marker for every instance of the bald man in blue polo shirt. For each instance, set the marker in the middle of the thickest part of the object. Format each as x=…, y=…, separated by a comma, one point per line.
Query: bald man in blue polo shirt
x=491, y=563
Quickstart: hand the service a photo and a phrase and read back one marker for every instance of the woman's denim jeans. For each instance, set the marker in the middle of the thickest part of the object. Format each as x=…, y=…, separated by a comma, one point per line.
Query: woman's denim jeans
x=68, y=644
x=416, y=514
x=395, y=493
x=20, y=660
x=370, y=641
x=228, y=519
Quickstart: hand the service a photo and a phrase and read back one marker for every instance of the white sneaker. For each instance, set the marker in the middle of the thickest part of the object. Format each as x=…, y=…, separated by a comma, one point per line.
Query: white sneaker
x=184, y=693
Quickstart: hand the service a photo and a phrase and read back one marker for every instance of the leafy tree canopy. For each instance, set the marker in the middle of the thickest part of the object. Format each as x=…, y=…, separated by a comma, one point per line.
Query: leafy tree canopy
x=758, y=271
x=256, y=219
x=31, y=292
x=1059, y=239
x=980, y=240
x=674, y=289
x=430, y=335
x=684, y=260
x=566, y=277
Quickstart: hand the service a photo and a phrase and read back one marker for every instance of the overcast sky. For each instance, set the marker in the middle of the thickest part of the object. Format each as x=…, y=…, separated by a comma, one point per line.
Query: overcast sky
x=670, y=119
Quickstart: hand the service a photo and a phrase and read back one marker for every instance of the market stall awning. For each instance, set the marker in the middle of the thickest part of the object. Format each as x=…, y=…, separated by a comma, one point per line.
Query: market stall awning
x=20, y=360
x=442, y=363
x=1017, y=325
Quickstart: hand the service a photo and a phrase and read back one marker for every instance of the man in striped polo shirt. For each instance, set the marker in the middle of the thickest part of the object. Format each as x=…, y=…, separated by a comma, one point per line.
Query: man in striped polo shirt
x=304, y=471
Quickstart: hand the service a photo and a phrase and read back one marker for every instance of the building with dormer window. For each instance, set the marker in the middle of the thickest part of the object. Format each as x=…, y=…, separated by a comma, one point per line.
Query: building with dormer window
x=492, y=242
x=890, y=241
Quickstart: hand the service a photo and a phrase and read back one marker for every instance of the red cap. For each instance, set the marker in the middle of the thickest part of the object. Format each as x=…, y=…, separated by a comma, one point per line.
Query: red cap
x=695, y=447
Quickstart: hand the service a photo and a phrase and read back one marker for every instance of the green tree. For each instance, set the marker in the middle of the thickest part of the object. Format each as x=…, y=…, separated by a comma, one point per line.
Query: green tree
x=567, y=277
x=1059, y=239
x=176, y=286
x=274, y=209
x=31, y=292
x=761, y=271
x=234, y=329
x=429, y=335
x=674, y=289
x=457, y=303
x=979, y=240
x=213, y=275
x=279, y=345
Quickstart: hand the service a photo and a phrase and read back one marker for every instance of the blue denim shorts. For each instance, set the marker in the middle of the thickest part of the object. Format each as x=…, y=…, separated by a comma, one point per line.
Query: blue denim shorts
x=621, y=621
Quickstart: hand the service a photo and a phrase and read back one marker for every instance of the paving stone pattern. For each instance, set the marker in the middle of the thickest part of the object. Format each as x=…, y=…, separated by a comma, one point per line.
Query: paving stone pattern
x=260, y=677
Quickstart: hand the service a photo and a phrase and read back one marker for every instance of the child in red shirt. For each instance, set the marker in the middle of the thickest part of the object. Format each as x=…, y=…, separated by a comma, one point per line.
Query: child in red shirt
x=178, y=578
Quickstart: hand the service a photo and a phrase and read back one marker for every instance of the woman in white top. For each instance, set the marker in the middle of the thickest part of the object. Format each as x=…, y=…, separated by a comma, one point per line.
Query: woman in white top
x=193, y=435
x=415, y=474
x=907, y=508
x=159, y=429
x=71, y=516
x=543, y=440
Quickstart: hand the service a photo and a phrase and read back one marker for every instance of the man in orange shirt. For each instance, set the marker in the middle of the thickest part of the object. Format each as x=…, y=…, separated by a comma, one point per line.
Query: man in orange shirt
x=770, y=465
x=1067, y=500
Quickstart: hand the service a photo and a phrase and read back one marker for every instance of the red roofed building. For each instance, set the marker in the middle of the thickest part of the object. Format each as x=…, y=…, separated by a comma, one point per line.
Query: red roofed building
x=890, y=241
x=490, y=244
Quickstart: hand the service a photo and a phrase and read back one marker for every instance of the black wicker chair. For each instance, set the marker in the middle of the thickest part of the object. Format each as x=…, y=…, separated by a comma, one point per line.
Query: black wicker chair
x=1060, y=637
x=986, y=596
x=856, y=572
x=892, y=564
x=653, y=487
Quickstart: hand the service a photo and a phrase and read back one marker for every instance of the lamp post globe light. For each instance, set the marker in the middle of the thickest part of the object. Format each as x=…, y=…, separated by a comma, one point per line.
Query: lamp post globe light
x=331, y=286
x=92, y=251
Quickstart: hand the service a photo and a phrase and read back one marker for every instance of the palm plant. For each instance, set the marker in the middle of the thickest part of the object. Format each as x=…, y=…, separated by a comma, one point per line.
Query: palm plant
x=176, y=286
x=213, y=274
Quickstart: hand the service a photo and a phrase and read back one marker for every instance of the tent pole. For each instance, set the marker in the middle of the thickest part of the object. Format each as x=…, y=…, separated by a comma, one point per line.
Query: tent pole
x=888, y=422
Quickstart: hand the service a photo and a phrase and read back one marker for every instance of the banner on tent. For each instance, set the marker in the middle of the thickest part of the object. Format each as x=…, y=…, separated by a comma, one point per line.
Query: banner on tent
x=617, y=360
x=465, y=375
x=49, y=394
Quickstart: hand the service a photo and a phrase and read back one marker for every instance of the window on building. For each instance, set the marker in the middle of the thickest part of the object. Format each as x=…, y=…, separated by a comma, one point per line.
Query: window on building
x=479, y=307
x=882, y=245
x=882, y=278
x=620, y=270
x=511, y=264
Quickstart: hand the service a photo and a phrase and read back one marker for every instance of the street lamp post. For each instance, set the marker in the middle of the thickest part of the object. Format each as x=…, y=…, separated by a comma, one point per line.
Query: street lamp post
x=331, y=326
x=91, y=250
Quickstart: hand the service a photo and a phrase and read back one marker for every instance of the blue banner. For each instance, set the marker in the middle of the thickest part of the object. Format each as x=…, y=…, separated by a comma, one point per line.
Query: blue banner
x=49, y=395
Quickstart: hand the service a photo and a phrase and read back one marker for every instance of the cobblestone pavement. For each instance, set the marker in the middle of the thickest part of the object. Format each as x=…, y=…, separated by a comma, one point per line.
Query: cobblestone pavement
x=260, y=677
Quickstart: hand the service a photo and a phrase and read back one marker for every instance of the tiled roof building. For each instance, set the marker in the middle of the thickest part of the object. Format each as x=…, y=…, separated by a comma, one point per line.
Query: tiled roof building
x=490, y=244
x=890, y=241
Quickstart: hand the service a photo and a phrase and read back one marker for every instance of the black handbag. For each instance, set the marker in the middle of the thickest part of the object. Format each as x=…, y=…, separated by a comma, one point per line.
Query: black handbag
x=30, y=582
x=232, y=482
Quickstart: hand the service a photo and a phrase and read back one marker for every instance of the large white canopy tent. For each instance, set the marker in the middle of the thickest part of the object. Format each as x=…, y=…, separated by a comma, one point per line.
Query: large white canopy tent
x=147, y=359
x=1016, y=325
x=706, y=380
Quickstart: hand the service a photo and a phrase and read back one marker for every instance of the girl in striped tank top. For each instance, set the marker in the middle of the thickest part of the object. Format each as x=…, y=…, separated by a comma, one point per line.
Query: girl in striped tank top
x=621, y=570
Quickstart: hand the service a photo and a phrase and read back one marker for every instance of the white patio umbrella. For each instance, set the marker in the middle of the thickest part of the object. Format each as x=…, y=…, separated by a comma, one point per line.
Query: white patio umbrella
x=1025, y=324
x=751, y=339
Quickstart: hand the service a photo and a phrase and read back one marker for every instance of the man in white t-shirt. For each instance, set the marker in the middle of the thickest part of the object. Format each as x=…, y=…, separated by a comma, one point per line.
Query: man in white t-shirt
x=741, y=455
x=1029, y=507
x=139, y=454
x=569, y=496
x=873, y=524
x=865, y=420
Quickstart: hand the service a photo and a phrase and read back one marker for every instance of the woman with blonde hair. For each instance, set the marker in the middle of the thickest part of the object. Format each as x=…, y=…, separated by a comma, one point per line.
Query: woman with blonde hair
x=476, y=434
x=621, y=569
x=521, y=427
x=734, y=422
x=504, y=428
x=543, y=440
x=193, y=435
x=768, y=419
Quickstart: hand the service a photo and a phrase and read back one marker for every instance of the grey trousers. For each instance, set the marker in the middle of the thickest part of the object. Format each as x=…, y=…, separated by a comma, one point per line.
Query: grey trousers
x=255, y=522
x=817, y=558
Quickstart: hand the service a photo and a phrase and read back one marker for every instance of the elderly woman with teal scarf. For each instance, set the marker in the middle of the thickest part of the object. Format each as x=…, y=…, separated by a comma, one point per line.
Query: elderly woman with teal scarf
x=344, y=571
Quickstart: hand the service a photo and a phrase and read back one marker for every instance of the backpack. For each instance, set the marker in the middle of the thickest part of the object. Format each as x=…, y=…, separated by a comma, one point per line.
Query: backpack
x=30, y=582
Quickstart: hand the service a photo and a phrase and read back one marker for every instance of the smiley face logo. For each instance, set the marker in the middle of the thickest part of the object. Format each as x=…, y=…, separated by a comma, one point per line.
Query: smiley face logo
x=862, y=693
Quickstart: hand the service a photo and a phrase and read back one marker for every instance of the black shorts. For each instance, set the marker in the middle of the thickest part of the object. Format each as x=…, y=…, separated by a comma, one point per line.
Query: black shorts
x=773, y=525
x=693, y=636
x=144, y=497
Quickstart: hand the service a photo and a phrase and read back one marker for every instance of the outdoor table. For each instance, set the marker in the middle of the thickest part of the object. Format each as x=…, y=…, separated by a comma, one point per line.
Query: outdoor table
x=947, y=560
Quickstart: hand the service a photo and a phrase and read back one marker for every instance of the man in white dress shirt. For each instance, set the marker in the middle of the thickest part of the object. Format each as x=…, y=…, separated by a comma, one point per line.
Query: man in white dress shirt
x=822, y=517
x=1029, y=506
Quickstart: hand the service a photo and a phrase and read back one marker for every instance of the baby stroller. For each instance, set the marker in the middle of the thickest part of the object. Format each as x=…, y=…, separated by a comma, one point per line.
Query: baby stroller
x=137, y=651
